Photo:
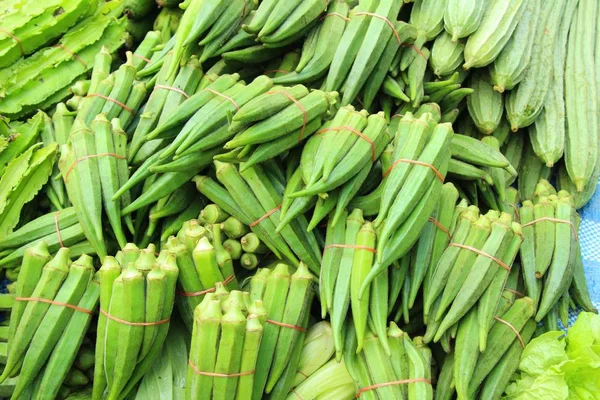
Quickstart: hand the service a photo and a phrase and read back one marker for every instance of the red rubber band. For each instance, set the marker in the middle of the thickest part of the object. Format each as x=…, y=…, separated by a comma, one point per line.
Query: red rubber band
x=350, y=246
x=482, y=253
x=216, y=374
x=397, y=116
x=268, y=71
x=301, y=373
x=206, y=291
x=72, y=53
x=359, y=134
x=117, y=102
x=16, y=39
x=141, y=57
x=283, y=325
x=90, y=156
x=415, y=162
x=122, y=321
x=267, y=215
x=387, y=21
x=440, y=226
x=402, y=382
x=415, y=48
x=337, y=15
x=174, y=89
x=513, y=329
x=514, y=207
x=394, y=31
x=513, y=291
x=297, y=395
x=56, y=303
x=560, y=221
x=304, y=115
x=229, y=99
x=58, y=229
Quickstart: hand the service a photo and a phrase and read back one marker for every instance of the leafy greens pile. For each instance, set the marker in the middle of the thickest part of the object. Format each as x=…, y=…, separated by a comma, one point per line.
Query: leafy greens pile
x=555, y=366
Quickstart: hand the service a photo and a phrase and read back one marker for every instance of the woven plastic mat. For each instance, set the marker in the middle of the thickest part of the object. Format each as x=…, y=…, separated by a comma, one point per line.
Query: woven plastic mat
x=589, y=237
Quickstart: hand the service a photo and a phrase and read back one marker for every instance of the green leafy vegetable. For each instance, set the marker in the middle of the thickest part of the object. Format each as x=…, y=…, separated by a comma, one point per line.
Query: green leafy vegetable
x=555, y=367
x=543, y=352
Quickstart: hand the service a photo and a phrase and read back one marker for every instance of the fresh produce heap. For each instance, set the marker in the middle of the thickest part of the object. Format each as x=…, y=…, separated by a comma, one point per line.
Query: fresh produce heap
x=290, y=199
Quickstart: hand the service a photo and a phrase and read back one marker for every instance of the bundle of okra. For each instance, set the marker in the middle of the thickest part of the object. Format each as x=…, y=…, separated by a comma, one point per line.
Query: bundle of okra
x=473, y=374
x=226, y=338
x=137, y=293
x=287, y=296
x=551, y=255
x=55, y=301
x=202, y=262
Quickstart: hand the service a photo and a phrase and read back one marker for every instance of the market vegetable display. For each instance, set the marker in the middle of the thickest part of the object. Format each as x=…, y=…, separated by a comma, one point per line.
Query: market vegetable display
x=285, y=199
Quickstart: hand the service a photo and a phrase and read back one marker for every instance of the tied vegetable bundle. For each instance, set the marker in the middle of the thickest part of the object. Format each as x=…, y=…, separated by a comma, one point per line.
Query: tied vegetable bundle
x=276, y=121
x=473, y=374
x=226, y=338
x=56, y=229
x=167, y=376
x=137, y=291
x=203, y=261
x=254, y=198
x=275, y=25
x=551, y=255
x=93, y=142
x=287, y=296
x=478, y=258
x=412, y=274
x=402, y=371
x=55, y=300
x=68, y=228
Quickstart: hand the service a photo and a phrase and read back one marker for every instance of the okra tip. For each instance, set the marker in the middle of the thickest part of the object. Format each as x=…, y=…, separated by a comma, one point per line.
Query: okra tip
x=85, y=261
x=39, y=249
x=62, y=259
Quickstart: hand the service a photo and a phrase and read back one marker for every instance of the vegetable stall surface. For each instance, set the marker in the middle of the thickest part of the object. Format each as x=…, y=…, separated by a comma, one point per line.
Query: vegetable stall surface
x=299, y=199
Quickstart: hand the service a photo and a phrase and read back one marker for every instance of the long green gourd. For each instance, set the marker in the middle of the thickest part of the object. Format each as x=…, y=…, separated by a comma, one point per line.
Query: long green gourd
x=525, y=102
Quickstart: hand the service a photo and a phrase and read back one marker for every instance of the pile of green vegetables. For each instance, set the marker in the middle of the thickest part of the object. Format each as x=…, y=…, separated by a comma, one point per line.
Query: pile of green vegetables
x=282, y=199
